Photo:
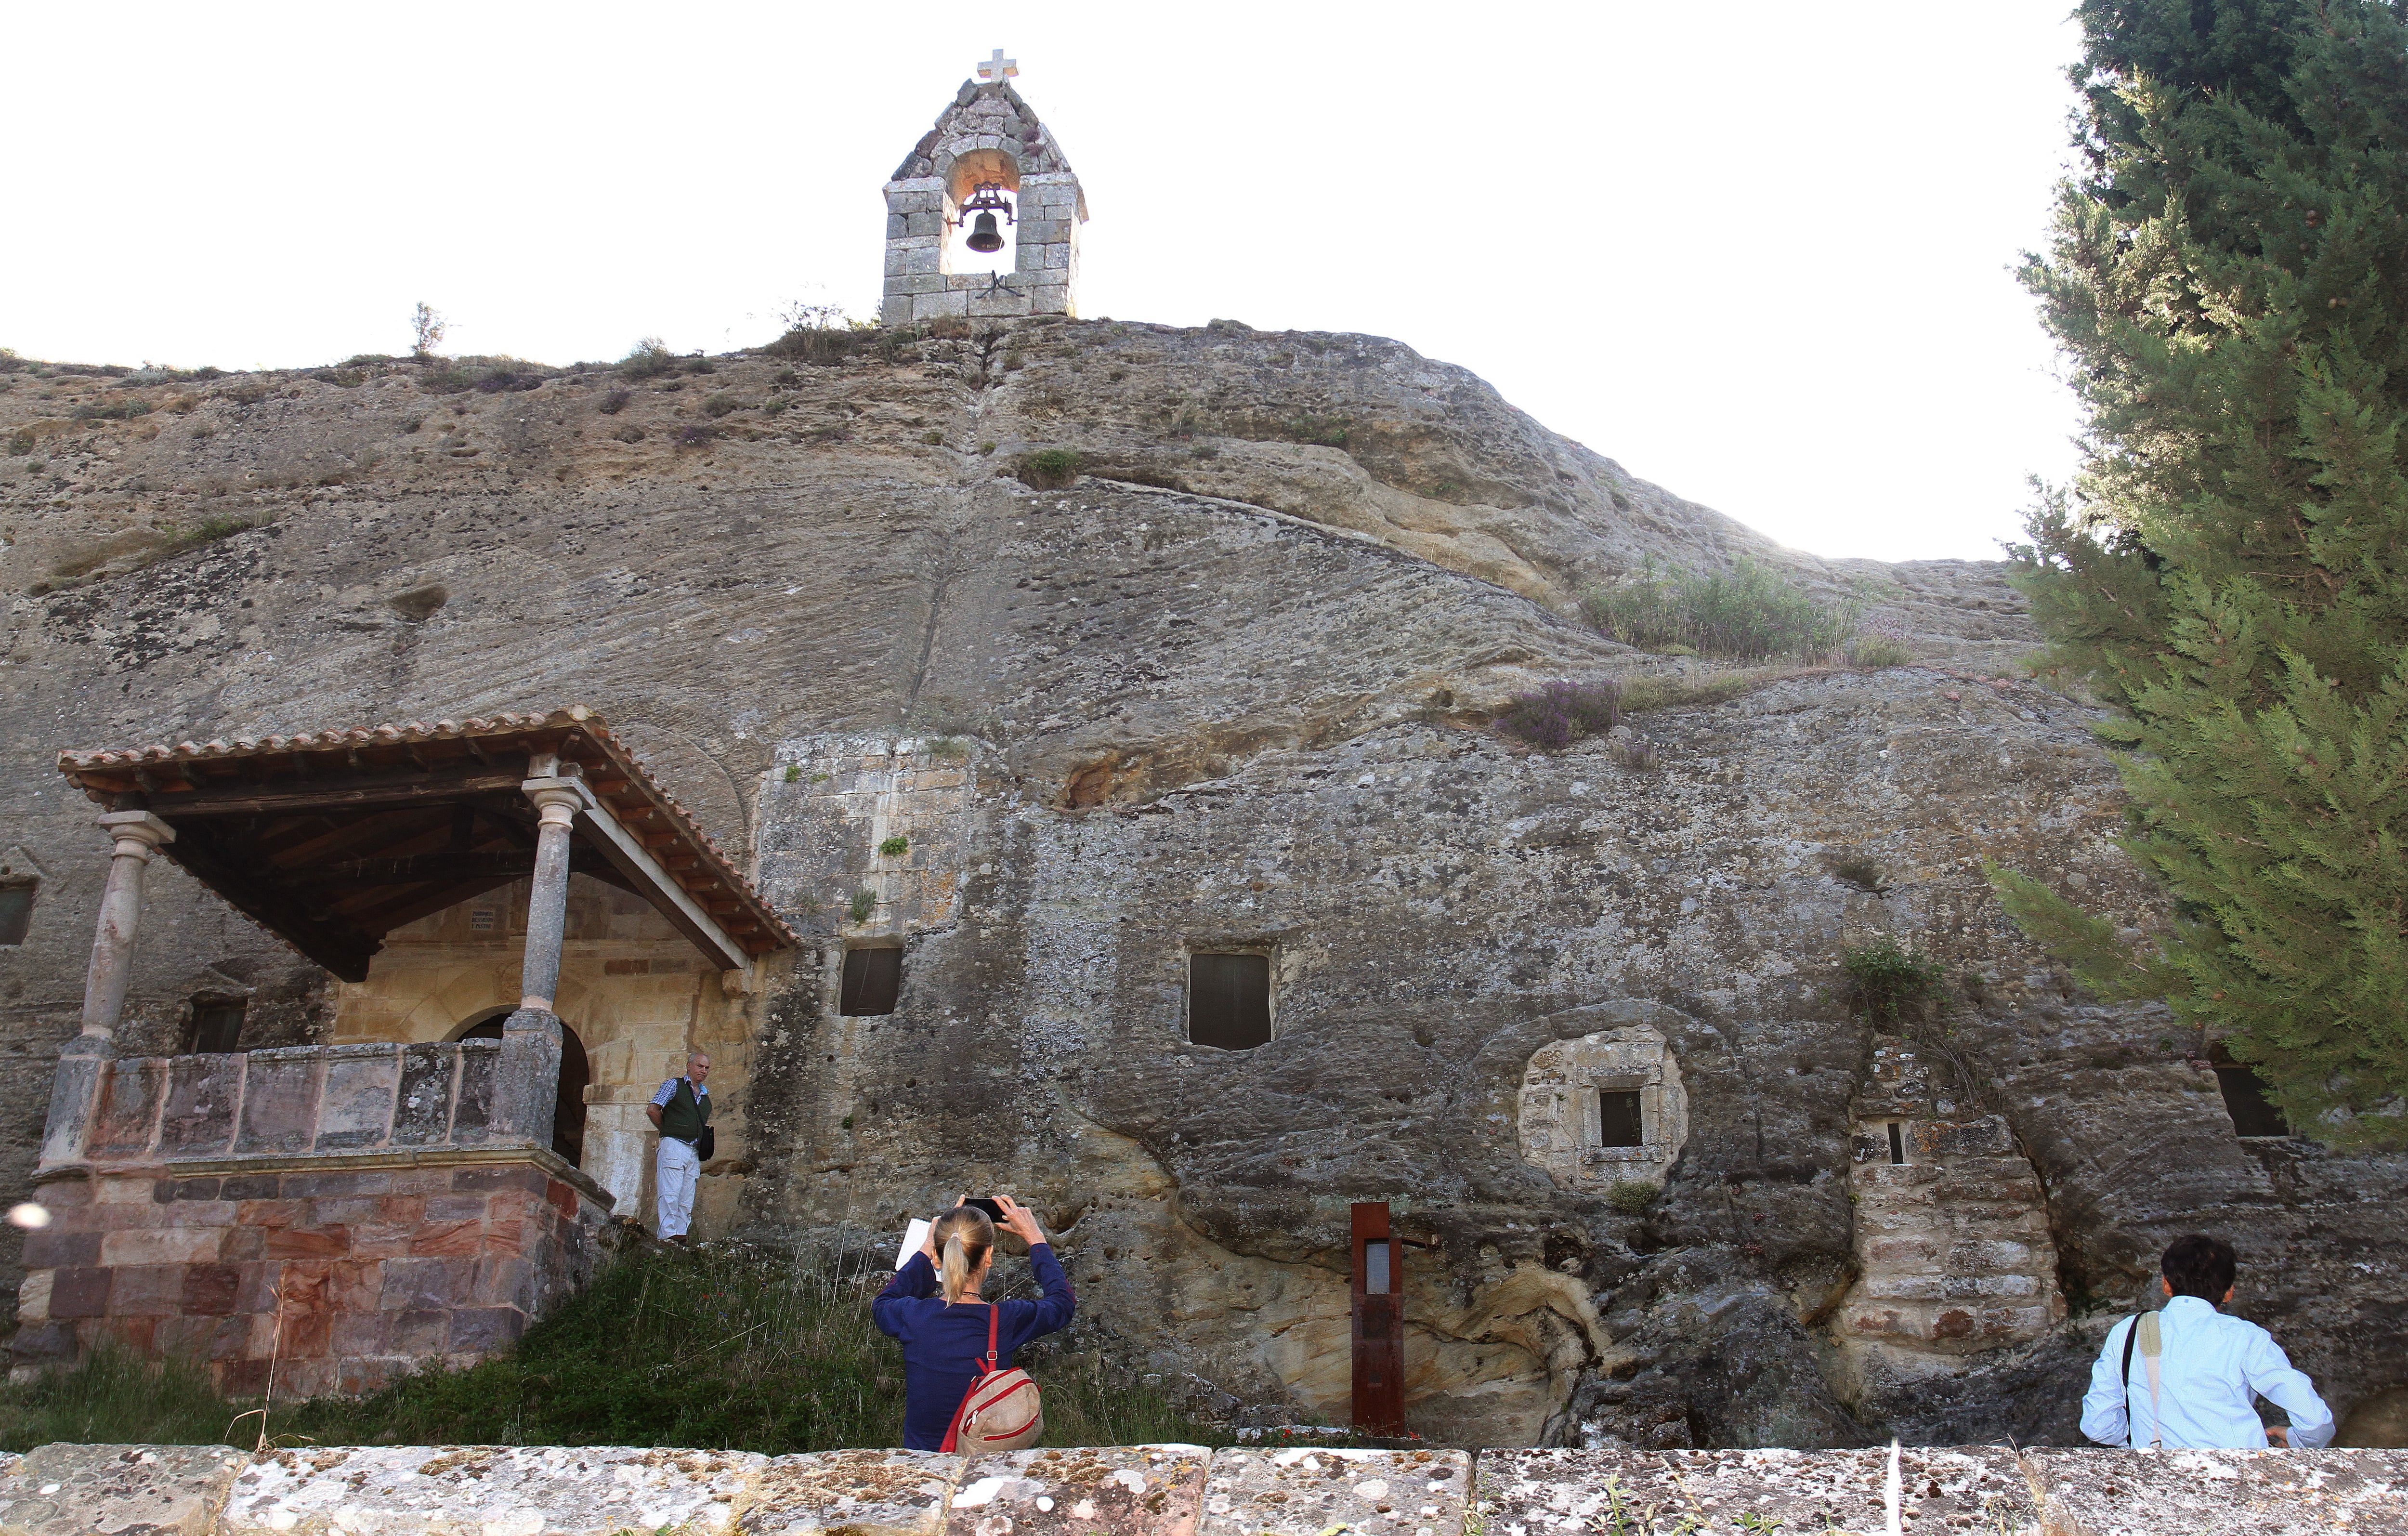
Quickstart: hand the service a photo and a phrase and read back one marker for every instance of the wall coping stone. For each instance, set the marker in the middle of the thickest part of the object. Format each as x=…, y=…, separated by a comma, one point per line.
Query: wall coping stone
x=368, y=1160
x=1187, y=1490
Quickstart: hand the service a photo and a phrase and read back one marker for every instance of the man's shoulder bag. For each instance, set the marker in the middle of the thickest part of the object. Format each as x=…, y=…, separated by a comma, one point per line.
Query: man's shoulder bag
x=1003, y=1410
x=2145, y=1333
x=706, y=1146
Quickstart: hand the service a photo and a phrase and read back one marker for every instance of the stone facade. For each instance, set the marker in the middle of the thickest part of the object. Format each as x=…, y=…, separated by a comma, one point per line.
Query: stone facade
x=1230, y=688
x=988, y=136
x=633, y=992
x=1562, y=1118
x=1952, y=1225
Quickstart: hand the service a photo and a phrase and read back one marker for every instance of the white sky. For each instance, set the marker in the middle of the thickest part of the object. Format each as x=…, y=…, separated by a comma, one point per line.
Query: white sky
x=1758, y=251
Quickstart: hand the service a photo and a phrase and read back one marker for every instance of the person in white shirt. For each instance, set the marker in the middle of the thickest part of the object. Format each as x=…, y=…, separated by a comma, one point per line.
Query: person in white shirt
x=2211, y=1369
x=681, y=1111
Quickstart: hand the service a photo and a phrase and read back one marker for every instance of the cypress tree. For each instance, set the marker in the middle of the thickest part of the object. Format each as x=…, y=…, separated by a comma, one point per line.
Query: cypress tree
x=2228, y=277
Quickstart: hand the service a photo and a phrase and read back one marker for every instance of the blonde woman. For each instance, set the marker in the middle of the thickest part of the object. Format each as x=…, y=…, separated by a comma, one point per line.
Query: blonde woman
x=933, y=1307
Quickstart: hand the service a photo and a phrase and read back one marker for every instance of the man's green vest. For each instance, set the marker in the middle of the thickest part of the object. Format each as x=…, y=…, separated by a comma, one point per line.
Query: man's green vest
x=685, y=1115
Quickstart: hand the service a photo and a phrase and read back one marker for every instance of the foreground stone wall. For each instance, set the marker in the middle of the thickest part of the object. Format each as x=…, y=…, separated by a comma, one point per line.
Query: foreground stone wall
x=1186, y=1490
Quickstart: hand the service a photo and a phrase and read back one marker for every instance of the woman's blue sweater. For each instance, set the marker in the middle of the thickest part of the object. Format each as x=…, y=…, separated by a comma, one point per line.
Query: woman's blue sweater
x=943, y=1346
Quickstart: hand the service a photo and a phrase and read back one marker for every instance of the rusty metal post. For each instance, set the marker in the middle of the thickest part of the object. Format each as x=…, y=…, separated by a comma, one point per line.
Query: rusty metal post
x=1379, y=1322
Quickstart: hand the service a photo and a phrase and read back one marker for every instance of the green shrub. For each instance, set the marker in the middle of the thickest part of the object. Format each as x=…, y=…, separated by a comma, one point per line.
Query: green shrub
x=700, y=365
x=716, y=405
x=614, y=401
x=21, y=442
x=1881, y=643
x=1315, y=429
x=1560, y=713
x=648, y=359
x=861, y=906
x=895, y=847
x=821, y=346
x=1888, y=981
x=1632, y=1197
x=794, y=771
x=111, y=411
x=1749, y=614
x=1050, y=468
x=949, y=747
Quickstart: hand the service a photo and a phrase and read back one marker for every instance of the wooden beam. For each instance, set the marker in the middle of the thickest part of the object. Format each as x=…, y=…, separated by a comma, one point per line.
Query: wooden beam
x=358, y=790
x=655, y=885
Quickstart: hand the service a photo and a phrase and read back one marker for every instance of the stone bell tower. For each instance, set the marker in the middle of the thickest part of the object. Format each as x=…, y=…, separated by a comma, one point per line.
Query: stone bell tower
x=989, y=152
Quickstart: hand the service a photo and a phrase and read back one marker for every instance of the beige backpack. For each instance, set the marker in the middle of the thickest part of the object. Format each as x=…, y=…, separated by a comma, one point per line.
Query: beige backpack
x=1003, y=1410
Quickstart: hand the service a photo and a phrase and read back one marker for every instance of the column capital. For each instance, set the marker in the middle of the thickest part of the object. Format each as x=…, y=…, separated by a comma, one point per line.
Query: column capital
x=136, y=826
x=559, y=798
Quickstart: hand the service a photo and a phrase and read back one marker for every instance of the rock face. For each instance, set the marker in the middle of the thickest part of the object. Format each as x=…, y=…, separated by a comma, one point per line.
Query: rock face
x=1225, y=693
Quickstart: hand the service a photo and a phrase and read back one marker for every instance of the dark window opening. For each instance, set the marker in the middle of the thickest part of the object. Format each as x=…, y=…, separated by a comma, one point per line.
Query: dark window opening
x=1229, y=1000
x=16, y=912
x=568, y=1098
x=873, y=978
x=216, y=1029
x=2244, y=1097
x=1617, y=1119
x=1897, y=1144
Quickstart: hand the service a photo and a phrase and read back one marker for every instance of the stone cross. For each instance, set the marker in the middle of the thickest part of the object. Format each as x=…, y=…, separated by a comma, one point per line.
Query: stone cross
x=997, y=69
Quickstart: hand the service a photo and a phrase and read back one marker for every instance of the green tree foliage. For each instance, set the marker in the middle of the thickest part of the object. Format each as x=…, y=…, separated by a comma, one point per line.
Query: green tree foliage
x=2229, y=277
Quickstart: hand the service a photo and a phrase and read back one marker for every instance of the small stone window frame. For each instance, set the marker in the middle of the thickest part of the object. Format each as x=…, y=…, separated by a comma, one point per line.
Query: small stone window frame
x=20, y=884
x=213, y=1023
x=1229, y=987
x=870, y=980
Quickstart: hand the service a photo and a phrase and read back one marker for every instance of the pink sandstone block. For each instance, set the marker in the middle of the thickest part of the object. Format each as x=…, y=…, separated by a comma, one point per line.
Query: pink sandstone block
x=168, y=1245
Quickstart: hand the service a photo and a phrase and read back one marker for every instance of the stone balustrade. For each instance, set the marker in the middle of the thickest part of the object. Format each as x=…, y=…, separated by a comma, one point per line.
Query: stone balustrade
x=1186, y=1490
x=316, y=1099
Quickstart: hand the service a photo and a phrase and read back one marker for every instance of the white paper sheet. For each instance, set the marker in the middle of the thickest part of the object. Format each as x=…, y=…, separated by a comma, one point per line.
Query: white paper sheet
x=914, y=1236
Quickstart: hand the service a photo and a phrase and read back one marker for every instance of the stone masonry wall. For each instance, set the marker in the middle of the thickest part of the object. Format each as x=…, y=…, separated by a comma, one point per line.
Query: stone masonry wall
x=987, y=135
x=344, y=1278
x=1187, y=1490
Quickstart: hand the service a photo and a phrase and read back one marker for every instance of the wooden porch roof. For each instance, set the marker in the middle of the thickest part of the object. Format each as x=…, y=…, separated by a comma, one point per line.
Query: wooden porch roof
x=333, y=840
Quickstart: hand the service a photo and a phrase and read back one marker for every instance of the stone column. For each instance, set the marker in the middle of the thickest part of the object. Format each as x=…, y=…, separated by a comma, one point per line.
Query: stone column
x=138, y=834
x=548, y=900
x=83, y=1060
x=529, y=1089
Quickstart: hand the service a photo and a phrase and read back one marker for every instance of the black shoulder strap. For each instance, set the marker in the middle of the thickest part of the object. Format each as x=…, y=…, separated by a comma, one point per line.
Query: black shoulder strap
x=2131, y=1336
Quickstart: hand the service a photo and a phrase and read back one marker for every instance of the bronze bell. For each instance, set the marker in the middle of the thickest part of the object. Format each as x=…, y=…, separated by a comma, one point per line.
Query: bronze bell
x=984, y=239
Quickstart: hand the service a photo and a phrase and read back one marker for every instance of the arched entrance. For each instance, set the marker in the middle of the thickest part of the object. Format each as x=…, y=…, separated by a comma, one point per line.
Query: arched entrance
x=568, y=1106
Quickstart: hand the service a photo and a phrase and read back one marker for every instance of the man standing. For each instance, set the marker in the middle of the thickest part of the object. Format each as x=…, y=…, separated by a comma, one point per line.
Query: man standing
x=2195, y=1373
x=681, y=1111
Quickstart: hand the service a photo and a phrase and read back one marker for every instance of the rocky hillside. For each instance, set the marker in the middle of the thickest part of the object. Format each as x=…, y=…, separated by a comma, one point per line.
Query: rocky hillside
x=1222, y=684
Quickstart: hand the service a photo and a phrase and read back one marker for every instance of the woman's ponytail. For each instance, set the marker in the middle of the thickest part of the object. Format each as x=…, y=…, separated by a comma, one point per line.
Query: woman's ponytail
x=962, y=1236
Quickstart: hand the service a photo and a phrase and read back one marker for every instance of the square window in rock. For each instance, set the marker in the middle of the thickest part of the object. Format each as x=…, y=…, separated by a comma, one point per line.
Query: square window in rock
x=216, y=1029
x=16, y=912
x=1617, y=1119
x=1229, y=1000
x=1897, y=1144
x=2244, y=1097
x=873, y=978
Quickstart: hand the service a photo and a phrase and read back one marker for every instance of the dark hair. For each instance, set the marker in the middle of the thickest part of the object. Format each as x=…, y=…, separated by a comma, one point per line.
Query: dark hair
x=2201, y=1266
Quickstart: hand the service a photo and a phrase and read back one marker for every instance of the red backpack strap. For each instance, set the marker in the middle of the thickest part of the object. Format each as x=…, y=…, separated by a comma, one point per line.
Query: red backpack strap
x=953, y=1430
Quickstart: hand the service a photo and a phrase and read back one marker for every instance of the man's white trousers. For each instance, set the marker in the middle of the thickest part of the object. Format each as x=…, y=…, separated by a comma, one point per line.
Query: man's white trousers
x=678, y=1167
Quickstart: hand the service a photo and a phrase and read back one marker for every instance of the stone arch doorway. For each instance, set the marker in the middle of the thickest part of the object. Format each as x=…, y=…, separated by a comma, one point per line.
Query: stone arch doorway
x=569, y=1105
